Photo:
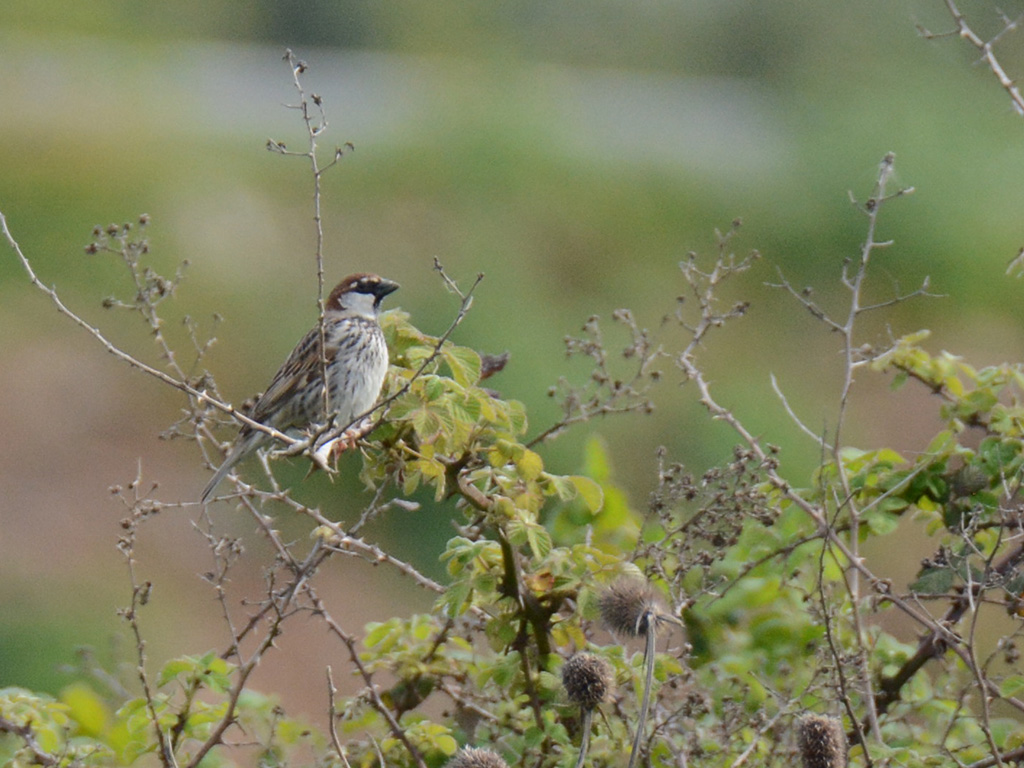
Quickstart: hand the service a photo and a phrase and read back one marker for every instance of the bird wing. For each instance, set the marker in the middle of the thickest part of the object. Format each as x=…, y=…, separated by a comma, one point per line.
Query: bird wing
x=278, y=406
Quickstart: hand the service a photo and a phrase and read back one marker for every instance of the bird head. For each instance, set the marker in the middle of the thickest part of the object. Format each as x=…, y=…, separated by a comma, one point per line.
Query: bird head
x=360, y=293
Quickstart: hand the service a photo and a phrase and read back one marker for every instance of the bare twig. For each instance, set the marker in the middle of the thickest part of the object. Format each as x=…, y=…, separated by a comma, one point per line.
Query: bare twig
x=371, y=689
x=332, y=713
x=314, y=127
x=141, y=591
x=843, y=540
x=792, y=414
x=986, y=48
x=183, y=386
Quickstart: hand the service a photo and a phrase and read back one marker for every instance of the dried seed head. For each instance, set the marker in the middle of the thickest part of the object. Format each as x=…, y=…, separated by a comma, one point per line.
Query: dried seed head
x=492, y=364
x=627, y=607
x=474, y=757
x=587, y=679
x=822, y=742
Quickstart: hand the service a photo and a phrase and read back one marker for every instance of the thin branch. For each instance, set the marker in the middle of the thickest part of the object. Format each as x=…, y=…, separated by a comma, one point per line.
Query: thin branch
x=332, y=714
x=27, y=735
x=141, y=591
x=987, y=49
x=200, y=396
x=755, y=742
x=792, y=414
x=313, y=130
x=803, y=297
x=353, y=652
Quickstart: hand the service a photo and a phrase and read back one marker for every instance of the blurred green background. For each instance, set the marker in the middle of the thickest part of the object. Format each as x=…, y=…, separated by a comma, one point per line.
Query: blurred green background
x=572, y=151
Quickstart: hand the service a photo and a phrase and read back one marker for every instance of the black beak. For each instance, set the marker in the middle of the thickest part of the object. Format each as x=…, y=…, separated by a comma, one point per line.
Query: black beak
x=384, y=287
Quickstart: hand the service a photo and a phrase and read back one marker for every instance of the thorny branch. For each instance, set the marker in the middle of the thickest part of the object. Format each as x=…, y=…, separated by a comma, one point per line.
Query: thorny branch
x=940, y=634
x=853, y=279
x=28, y=736
x=200, y=396
x=332, y=713
x=606, y=393
x=985, y=47
x=289, y=583
x=278, y=608
x=316, y=124
x=281, y=601
x=141, y=591
x=371, y=694
x=855, y=285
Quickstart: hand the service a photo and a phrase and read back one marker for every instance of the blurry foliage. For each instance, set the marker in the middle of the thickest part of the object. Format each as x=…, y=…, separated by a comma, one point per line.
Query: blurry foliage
x=751, y=561
x=757, y=569
x=489, y=173
x=667, y=36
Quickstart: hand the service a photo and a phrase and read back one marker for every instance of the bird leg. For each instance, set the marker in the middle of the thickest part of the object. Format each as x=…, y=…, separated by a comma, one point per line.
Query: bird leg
x=330, y=451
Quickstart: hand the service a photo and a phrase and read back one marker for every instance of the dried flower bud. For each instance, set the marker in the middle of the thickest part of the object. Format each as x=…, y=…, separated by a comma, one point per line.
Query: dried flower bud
x=475, y=757
x=627, y=606
x=822, y=742
x=492, y=364
x=587, y=679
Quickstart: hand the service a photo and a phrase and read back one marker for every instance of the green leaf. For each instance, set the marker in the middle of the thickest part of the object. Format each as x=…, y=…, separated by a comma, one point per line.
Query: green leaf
x=1011, y=686
x=376, y=634
x=530, y=465
x=539, y=540
x=978, y=401
x=933, y=581
x=183, y=666
x=446, y=744
x=533, y=737
x=86, y=708
x=204, y=714
x=427, y=423
x=516, y=531
x=464, y=364
x=433, y=387
x=456, y=598
x=883, y=521
x=589, y=491
x=467, y=409
x=515, y=414
x=563, y=487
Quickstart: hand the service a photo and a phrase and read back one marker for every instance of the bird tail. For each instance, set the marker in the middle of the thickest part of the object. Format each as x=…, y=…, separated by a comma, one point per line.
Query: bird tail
x=243, y=447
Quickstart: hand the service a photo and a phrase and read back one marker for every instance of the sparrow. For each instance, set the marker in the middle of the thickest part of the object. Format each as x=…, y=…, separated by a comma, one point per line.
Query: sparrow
x=357, y=361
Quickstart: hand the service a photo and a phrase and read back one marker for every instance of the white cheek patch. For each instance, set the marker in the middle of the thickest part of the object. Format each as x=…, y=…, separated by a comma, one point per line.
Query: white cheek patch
x=361, y=303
